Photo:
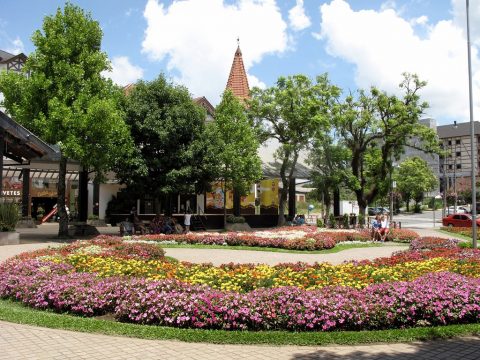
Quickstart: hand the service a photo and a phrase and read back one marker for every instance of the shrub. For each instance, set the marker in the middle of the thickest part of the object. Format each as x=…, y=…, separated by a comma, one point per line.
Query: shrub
x=92, y=217
x=402, y=235
x=235, y=219
x=332, y=221
x=320, y=223
x=346, y=221
x=9, y=215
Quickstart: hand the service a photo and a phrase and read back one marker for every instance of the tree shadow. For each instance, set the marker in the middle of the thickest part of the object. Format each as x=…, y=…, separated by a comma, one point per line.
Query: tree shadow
x=467, y=348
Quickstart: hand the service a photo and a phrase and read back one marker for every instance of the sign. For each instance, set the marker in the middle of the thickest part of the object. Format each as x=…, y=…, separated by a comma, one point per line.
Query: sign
x=10, y=193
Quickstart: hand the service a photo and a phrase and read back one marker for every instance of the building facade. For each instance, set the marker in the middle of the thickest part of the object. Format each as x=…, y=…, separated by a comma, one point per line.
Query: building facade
x=455, y=166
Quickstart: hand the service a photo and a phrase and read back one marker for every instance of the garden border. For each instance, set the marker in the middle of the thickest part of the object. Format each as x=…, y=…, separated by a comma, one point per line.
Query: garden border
x=15, y=312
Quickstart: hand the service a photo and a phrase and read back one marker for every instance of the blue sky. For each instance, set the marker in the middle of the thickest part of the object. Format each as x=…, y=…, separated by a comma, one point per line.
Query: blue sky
x=359, y=43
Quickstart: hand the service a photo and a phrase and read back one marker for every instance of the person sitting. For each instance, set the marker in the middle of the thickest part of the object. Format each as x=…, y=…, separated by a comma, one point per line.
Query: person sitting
x=138, y=225
x=383, y=228
x=167, y=226
x=376, y=224
x=156, y=225
x=299, y=220
x=126, y=228
x=177, y=228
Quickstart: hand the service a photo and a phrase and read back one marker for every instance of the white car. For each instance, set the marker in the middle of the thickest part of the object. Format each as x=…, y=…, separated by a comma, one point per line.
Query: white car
x=460, y=210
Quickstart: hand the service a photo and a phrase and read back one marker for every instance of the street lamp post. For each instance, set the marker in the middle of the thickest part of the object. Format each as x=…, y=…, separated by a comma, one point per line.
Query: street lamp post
x=472, y=137
x=435, y=207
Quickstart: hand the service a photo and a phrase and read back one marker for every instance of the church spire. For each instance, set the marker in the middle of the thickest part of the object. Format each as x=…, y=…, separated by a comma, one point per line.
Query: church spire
x=237, y=80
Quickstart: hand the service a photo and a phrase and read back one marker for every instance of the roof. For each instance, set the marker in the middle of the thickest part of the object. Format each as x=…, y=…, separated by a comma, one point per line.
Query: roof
x=237, y=80
x=127, y=89
x=203, y=102
x=7, y=57
x=461, y=129
x=271, y=166
x=20, y=143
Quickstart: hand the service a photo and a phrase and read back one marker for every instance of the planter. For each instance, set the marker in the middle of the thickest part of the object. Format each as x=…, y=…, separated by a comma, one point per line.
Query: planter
x=9, y=238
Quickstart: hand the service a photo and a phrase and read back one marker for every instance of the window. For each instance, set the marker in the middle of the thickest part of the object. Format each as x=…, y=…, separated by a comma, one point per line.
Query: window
x=457, y=217
x=450, y=167
x=459, y=166
x=449, y=142
x=458, y=153
x=457, y=142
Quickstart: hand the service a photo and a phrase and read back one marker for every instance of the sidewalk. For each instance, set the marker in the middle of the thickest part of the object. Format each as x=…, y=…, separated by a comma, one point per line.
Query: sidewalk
x=29, y=342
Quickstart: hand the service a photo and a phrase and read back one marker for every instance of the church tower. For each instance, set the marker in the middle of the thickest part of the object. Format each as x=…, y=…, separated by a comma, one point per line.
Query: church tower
x=237, y=80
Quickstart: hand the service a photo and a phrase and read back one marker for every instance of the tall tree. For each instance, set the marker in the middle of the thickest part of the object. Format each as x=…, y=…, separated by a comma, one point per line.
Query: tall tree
x=62, y=97
x=167, y=128
x=414, y=178
x=292, y=112
x=234, y=141
x=376, y=127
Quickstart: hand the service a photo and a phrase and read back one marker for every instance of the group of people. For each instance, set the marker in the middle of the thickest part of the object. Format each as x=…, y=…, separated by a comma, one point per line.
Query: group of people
x=380, y=228
x=165, y=225
x=159, y=225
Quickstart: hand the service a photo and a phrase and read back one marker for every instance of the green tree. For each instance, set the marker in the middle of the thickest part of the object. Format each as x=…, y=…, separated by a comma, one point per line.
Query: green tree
x=292, y=112
x=414, y=177
x=167, y=128
x=376, y=128
x=62, y=97
x=329, y=162
x=234, y=141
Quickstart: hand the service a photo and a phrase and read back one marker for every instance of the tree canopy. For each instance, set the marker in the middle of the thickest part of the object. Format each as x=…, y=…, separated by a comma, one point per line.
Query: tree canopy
x=376, y=127
x=168, y=131
x=62, y=96
x=233, y=140
x=292, y=112
x=414, y=177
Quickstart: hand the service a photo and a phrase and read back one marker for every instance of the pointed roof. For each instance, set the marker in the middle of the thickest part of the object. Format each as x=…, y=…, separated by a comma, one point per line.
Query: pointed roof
x=237, y=80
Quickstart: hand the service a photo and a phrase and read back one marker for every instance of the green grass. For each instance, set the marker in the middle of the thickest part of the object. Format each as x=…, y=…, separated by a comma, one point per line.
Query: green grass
x=460, y=236
x=17, y=313
x=337, y=248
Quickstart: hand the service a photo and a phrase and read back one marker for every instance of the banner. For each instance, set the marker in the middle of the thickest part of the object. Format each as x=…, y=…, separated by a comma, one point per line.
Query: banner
x=269, y=195
x=216, y=196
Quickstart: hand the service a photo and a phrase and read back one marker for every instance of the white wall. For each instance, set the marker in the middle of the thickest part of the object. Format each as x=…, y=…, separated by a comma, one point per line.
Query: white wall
x=348, y=207
x=200, y=203
x=105, y=195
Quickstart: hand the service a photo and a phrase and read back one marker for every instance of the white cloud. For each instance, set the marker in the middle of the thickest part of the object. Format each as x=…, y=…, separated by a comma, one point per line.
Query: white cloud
x=382, y=45
x=297, y=17
x=421, y=20
x=16, y=46
x=123, y=72
x=198, y=38
x=253, y=81
x=459, y=18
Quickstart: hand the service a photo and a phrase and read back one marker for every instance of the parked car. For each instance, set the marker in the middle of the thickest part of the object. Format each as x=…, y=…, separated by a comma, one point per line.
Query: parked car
x=459, y=210
x=378, y=210
x=459, y=220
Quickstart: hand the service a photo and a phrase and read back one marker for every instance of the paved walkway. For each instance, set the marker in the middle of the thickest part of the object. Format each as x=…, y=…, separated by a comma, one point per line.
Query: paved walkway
x=28, y=342
x=221, y=256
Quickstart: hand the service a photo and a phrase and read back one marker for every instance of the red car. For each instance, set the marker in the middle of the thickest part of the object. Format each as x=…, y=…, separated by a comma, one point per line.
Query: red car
x=459, y=220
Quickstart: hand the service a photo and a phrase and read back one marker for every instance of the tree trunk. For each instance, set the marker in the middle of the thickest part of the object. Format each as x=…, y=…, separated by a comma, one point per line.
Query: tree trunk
x=407, y=200
x=225, y=206
x=362, y=215
x=283, y=199
x=62, y=212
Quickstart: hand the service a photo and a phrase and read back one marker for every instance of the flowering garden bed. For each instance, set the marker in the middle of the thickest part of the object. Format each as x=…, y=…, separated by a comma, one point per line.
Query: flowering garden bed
x=291, y=238
x=135, y=283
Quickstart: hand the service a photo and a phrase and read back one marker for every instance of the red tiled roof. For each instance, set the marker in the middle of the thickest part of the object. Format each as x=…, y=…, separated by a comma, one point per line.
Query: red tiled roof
x=237, y=80
x=202, y=101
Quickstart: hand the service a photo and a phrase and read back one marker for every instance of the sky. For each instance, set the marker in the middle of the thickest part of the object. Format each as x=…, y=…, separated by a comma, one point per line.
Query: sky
x=359, y=43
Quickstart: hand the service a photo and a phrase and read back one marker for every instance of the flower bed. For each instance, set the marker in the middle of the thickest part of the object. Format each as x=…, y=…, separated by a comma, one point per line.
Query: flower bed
x=292, y=238
x=433, y=299
x=465, y=231
x=432, y=242
x=102, y=276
